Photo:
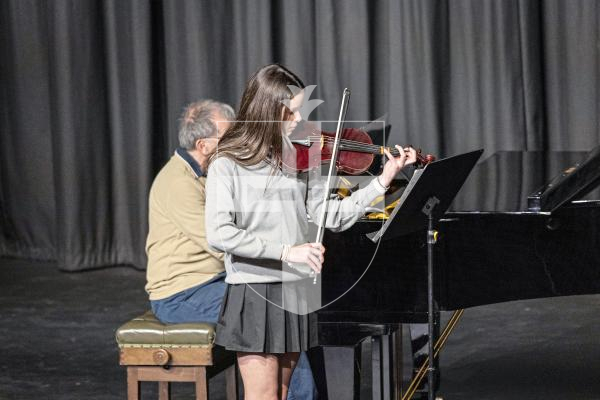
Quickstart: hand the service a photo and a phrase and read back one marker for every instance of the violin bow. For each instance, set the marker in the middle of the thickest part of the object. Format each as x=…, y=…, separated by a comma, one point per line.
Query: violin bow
x=332, y=168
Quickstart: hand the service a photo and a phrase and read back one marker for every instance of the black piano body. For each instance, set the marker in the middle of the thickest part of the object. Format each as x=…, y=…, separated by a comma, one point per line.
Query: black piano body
x=491, y=248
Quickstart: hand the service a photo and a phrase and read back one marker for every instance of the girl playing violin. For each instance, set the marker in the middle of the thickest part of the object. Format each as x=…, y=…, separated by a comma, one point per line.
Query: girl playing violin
x=258, y=216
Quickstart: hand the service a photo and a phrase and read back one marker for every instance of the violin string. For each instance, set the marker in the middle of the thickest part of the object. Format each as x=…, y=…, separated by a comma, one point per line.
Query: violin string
x=358, y=146
x=354, y=145
x=361, y=147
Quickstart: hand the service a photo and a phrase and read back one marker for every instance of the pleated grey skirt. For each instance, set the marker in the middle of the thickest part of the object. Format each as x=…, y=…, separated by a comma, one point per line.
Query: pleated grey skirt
x=252, y=320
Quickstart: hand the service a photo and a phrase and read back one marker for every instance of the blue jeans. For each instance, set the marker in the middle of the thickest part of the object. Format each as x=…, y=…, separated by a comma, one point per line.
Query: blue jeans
x=202, y=303
x=302, y=384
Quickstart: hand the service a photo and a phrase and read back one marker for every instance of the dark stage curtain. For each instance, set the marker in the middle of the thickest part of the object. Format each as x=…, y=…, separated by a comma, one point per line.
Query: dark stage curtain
x=90, y=92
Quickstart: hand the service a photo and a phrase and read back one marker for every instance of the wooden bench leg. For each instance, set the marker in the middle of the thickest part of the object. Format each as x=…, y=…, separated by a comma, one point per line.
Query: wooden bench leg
x=182, y=374
x=133, y=384
x=231, y=383
x=201, y=383
x=164, y=390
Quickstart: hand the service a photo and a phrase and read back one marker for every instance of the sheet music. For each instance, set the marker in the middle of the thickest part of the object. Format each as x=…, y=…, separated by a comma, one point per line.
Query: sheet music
x=375, y=236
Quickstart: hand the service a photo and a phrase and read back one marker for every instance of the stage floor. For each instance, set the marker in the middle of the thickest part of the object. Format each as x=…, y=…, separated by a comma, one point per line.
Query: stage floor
x=57, y=335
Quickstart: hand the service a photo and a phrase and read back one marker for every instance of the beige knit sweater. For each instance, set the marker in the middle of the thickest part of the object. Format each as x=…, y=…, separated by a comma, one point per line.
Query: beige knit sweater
x=178, y=255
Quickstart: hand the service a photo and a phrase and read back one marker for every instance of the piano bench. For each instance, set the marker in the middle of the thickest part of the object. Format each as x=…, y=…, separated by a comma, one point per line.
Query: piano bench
x=164, y=353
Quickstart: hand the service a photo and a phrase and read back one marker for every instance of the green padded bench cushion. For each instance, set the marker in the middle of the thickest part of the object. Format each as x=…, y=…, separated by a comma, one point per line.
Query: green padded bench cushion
x=147, y=331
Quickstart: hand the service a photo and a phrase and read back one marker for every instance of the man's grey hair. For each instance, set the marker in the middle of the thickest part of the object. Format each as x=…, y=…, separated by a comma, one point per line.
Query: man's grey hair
x=197, y=121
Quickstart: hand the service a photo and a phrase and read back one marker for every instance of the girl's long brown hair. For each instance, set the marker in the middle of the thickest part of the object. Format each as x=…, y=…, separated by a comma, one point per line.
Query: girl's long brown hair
x=255, y=135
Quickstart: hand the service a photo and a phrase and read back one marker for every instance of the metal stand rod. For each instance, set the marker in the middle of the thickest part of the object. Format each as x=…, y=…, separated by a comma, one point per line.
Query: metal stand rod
x=431, y=239
x=430, y=244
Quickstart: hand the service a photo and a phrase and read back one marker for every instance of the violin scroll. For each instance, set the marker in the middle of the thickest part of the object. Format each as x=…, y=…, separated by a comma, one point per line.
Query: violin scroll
x=423, y=160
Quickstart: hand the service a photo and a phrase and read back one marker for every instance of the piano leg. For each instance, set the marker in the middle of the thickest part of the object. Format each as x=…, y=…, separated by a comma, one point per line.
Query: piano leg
x=386, y=361
x=337, y=371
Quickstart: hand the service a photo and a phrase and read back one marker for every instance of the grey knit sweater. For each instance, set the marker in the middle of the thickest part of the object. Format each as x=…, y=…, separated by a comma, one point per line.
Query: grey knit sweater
x=251, y=212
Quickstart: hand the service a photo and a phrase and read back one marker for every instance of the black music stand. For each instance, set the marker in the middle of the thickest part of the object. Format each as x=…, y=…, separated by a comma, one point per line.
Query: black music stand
x=425, y=199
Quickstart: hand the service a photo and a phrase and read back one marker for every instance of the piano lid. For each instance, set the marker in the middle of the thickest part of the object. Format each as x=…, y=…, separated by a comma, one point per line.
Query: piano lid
x=503, y=182
x=571, y=183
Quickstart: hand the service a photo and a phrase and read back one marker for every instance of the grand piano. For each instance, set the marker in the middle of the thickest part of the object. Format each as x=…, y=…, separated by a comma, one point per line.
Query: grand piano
x=525, y=225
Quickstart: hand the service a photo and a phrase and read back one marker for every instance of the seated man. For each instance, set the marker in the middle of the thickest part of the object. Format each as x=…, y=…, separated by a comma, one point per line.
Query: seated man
x=185, y=277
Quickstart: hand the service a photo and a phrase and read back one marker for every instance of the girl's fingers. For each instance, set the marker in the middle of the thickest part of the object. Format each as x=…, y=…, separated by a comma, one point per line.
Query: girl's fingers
x=314, y=263
x=310, y=262
x=401, y=160
x=388, y=154
x=318, y=246
x=401, y=151
x=412, y=155
x=320, y=257
x=317, y=253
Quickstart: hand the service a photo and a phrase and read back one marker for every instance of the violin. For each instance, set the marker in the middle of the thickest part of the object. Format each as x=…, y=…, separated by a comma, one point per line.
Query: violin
x=356, y=152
